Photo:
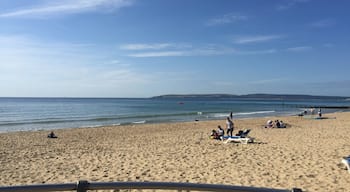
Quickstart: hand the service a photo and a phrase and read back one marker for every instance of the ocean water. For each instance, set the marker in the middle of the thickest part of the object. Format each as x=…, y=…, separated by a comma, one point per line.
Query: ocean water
x=26, y=114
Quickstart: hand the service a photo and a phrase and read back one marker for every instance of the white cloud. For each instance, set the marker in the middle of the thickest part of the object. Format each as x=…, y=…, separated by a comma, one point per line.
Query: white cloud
x=207, y=50
x=145, y=46
x=67, y=7
x=154, y=46
x=257, y=52
x=256, y=39
x=328, y=45
x=226, y=19
x=213, y=50
x=267, y=81
x=223, y=84
x=299, y=49
x=289, y=4
x=159, y=54
x=323, y=23
x=47, y=68
x=202, y=53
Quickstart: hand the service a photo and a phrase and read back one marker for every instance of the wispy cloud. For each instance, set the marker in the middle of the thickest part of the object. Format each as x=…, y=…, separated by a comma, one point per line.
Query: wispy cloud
x=206, y=50
x=328, y=45
x=226, y=19
x=49, y=8
x=183, y=53
x=202, y=52
x=330, y=88
x=299, y=49
x=256, y=39
x=223, y=83
x=154, y=46
x=323, y=23
x=257, y=52
x=178, y=51
x=159, y=54
x=268, y=81
x=36, y=67
x=289, y=4
x=156, y=49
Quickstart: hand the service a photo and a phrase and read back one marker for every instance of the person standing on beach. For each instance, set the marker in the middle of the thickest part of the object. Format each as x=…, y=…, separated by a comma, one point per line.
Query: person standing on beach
x=319, y=113
x=229, y=125
x=231, y=115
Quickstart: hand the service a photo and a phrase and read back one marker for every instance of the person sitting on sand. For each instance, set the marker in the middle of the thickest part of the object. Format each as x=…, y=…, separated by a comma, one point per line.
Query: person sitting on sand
x=282, y=125
x=269, y=124
x=52, y=135
x=214, y=135
x=220, y=131
x=279, y=124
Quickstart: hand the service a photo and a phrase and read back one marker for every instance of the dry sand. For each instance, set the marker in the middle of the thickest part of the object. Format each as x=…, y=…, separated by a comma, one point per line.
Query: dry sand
x=307, y=154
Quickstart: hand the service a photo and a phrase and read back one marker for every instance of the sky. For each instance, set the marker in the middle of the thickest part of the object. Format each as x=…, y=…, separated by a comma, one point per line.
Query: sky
x=144, y=48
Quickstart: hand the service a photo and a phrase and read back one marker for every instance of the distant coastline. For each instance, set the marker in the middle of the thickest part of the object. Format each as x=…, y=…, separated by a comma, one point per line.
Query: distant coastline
x=251, y=96
x=215, y=95
x=264, y=97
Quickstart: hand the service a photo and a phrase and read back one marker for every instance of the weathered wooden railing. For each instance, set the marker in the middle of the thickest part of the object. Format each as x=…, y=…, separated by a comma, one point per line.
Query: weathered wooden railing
x=83, y=186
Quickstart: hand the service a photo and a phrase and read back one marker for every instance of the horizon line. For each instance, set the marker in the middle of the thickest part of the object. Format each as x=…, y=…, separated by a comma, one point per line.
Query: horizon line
x=199, y=94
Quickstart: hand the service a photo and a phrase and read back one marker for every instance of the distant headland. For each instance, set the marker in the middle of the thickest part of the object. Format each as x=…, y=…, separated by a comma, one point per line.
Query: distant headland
x=250, y=96
x=263, y=97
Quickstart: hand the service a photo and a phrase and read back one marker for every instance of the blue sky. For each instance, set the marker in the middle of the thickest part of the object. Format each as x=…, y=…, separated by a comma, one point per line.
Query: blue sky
x=143, y=48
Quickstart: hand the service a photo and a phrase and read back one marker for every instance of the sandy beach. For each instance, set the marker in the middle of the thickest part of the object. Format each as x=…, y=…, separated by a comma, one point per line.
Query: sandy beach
x=306, y=154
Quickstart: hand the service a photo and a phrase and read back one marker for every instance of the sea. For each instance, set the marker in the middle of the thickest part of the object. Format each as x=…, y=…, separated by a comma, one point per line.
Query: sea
x=33, y=114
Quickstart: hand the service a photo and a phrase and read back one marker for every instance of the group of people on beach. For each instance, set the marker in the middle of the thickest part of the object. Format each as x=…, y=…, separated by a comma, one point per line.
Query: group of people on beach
x=220, y=133
x=311, y=112
x=275, y=124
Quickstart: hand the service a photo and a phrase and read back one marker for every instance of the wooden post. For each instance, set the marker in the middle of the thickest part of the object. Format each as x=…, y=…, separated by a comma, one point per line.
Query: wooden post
x=82, y=186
